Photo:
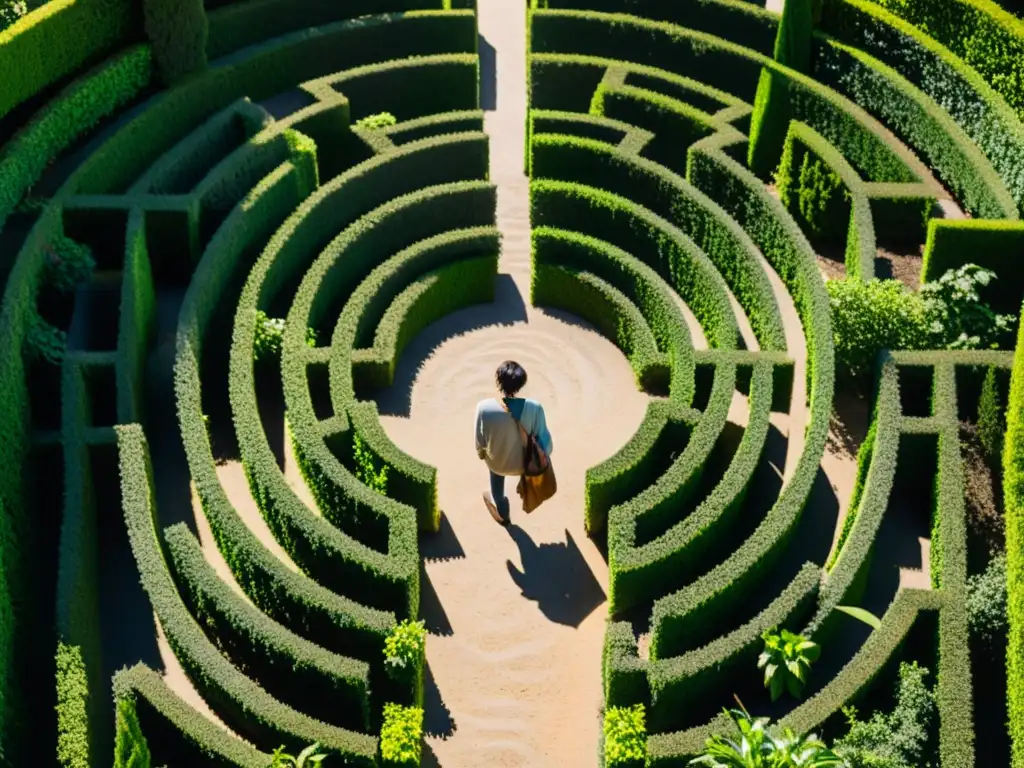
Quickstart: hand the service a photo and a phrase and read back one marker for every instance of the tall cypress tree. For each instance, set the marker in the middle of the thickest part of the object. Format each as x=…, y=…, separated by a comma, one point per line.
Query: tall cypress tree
x=770, y=121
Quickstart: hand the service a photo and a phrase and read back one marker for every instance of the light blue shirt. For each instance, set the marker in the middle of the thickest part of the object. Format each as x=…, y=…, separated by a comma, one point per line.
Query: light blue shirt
x=498, y=441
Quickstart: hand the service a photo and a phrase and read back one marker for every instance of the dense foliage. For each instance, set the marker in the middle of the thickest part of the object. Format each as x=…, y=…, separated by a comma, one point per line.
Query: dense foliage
x=986, y=603
x=786, y=661
x=404, y=648
x=949, y=313
x=625, y=736
x=991, y=419
x=901, y=738
x=754, y=746
x=130, y=747
x=401, y=736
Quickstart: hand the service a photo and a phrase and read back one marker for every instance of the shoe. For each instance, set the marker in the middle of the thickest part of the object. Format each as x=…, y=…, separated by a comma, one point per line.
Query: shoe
x=493, y=509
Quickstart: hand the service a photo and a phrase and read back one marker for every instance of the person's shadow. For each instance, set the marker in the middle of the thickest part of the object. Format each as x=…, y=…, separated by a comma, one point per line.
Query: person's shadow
x=556, y=577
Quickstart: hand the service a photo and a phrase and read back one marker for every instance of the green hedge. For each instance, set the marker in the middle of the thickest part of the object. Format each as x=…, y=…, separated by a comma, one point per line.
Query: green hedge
x=448, y=286
x=245, y=707
x=955, y=87
x=263, y=71
x=993, y=244
x=623, y=671
x=175, y=731
x=332, y=687
x=240, y=24
x=698, y=675
x=743, y=23
x=1013, y=493
x=412, y=309
x=610, y=311
x=347, y=268
x=921, y=123
x=137, y=319
x=178, y=30
x=678, y=546
x=694, y=609
x=647, y=184
x=81, y=722
x=56, y=40
x=981, y=33
x=460, y=121
x=331, y=556
x=306, y=607
x=77, y=109
x=570, y=47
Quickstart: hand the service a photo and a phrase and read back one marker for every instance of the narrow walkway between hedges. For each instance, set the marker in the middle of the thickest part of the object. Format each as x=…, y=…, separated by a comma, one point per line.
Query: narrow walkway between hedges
x=516, y=615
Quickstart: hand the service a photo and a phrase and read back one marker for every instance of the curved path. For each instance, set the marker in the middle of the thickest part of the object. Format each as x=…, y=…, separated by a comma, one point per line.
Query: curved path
x=516, y=616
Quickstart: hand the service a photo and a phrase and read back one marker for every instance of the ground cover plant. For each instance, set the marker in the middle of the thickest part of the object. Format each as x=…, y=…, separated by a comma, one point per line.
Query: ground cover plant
x=230, y=229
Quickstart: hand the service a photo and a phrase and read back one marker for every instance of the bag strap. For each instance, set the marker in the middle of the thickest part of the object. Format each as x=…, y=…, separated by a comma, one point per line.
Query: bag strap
x=522, y=430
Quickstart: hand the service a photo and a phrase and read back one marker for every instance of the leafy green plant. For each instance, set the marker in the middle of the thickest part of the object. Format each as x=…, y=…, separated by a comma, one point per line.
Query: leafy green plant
x=902, y=738
x=401, y=735
x=756, y=747
x=986, y=602
x=68, y=263
x=947, y=313
x=958, y=318
x=130, y=747
x=625, y=735
x=377, y=121
x=43, y=341
x=404, y=648
x=266, y=344
x=786, y=660
x=366, y=467
x=814, y=194
x=11, y=11
x=861, y=614
x=306, y=758
x=991, y=419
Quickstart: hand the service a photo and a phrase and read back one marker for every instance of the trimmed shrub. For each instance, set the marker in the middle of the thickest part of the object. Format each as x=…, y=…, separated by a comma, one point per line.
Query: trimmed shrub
x=772, y=113
x=73, y=112
x=130, y=747
x=243, y=705
x=1013, y=494
x=992, y=244
x=625, y=736
x=178, y=30
x=986, y=603
x=405, y=657
x=401, y=736
x=57, y=39
x=991, y=419
x=288, y=666
x=176, y=731
x=981, y=33
x=74, y=739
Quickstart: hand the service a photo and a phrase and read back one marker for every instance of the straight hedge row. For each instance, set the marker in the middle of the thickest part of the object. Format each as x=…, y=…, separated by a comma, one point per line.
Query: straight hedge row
x=1013, y=493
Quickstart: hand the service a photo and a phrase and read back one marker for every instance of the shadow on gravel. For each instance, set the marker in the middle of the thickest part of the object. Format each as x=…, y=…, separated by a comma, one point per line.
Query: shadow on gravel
x=556, y=577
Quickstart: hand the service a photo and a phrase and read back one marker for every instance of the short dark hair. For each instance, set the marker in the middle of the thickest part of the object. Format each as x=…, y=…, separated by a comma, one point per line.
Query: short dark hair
x=511, y=377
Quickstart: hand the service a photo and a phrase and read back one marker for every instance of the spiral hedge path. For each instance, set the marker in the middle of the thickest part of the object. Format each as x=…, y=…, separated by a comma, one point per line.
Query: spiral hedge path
x=192, y=530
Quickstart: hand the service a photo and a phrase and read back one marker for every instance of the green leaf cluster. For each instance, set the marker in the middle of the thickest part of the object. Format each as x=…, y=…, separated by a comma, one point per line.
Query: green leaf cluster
x=130, y=747
x=405, y=645
x=625, y=735
x=367, y=469
x=756, y=747
x=401, y=736
x=986, y=603
x=307, y=758
x=67, y=263
x=786, y=660
x=377, y=121
x=991, y=419
x=269, y=335
x=902, y=738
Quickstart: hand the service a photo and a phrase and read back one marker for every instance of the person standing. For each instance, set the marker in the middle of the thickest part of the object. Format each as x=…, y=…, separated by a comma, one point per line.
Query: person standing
x=498, y=440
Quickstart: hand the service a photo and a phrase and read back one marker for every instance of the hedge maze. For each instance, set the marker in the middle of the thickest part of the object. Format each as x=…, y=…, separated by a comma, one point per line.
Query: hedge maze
x=643, y=183
x=222, y=223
